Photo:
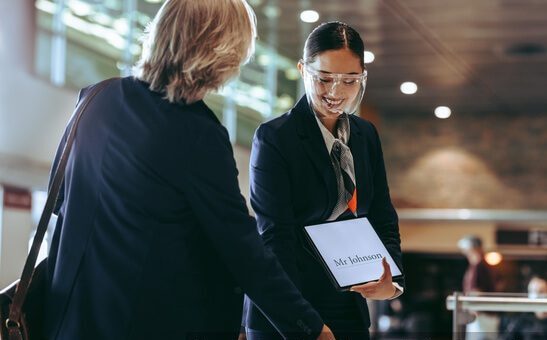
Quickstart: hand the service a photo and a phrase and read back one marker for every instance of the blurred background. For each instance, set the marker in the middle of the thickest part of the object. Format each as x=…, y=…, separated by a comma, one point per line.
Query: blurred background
x=457, y=89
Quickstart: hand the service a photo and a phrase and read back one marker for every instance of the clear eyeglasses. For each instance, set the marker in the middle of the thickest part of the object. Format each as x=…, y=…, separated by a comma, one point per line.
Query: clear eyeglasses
x=336, y=79
x=344, y=90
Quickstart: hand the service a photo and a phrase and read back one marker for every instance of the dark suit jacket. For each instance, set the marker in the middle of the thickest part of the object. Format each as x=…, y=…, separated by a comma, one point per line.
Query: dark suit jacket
x=153, y=239
x=293, y=185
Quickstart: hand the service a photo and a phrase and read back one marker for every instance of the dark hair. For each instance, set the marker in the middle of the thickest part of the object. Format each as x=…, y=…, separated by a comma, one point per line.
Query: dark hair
x=470, y=242
x=333, y=35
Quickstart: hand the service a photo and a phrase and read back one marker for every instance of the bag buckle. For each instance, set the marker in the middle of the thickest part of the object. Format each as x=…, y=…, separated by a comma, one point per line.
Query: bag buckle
x=12, y=324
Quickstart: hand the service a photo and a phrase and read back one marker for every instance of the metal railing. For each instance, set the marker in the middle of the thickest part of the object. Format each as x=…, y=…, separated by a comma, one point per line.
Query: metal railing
x=473, y=215
x=490, y=302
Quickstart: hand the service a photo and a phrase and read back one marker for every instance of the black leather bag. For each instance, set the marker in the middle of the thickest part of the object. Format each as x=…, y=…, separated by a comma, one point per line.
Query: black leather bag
x=22, y=302
x=31, y=321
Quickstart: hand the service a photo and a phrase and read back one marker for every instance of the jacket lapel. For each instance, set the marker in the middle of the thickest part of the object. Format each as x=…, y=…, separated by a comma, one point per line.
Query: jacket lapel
x=315, y=148
x=360, y=153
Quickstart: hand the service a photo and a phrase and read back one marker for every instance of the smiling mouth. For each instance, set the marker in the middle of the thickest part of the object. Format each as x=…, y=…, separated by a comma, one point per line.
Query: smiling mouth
x=331, y=103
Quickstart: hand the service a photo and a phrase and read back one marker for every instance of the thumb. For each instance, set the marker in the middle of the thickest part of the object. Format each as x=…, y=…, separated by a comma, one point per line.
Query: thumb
x=387, y=269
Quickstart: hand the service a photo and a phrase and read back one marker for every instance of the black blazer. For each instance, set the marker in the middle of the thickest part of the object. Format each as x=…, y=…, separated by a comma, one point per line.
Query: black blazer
x=153, y=239
x=293, y=184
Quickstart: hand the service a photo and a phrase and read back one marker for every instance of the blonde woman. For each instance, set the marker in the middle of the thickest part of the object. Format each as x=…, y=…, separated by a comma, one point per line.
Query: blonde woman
x=153, y=239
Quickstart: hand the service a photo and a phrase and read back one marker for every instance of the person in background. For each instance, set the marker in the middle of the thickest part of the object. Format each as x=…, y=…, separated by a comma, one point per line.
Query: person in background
x=153, y=238
x=317, y=163
x=478, y=278
x=528, y=326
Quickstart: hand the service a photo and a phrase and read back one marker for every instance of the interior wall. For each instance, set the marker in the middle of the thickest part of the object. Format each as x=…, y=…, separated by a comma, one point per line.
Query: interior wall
x=487, y=161
x=32, y=112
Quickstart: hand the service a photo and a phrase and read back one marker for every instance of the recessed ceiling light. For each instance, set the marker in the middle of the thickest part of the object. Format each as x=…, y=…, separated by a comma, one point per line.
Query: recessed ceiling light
x=443, y=112
x=154, y=1
x=493, y=258
x=409, y=87
x=369, y=57
x=309, y=16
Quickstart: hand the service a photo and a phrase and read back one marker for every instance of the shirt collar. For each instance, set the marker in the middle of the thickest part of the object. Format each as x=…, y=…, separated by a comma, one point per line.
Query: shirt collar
x=327, y=136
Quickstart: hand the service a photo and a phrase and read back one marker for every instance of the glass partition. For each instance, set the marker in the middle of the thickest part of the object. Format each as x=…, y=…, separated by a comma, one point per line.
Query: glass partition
x=80, y=42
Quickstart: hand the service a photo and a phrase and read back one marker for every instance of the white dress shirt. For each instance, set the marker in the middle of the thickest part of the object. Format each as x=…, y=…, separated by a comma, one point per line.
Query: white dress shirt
x=329, y=141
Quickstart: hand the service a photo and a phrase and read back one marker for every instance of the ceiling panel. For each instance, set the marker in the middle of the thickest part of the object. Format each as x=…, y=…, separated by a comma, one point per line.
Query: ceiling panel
x=455, y=51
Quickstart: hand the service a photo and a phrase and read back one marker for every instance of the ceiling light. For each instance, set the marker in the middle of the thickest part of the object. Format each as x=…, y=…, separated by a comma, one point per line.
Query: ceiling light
x=409, y=87
x=369, y=57
x=309, y=16
x=443, y=112
x=493, y=258
x=154, y=1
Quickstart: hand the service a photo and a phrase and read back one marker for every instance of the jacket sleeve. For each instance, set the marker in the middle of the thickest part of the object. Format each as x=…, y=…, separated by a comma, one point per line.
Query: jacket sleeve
x=212, y=187
x=382, y=214
x=271, y=199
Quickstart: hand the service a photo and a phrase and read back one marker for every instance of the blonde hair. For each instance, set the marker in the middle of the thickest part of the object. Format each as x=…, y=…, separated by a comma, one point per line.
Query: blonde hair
x=195, y=46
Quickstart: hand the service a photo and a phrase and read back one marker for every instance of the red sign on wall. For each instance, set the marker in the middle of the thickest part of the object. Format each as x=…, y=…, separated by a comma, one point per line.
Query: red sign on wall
x=17, y=198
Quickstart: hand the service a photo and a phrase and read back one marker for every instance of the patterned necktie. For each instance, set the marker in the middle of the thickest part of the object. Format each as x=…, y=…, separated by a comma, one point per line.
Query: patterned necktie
x=342, y=161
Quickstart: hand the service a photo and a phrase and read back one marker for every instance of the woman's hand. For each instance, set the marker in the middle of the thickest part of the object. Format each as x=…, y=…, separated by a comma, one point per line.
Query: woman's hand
x=378, y=290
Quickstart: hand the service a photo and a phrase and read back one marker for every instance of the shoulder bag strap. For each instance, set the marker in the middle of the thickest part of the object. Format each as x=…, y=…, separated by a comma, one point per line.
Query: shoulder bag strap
x=28, y=269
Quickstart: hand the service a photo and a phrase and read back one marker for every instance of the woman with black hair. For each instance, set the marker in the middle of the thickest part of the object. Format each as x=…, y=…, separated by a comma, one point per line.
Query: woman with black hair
x=316, y=163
